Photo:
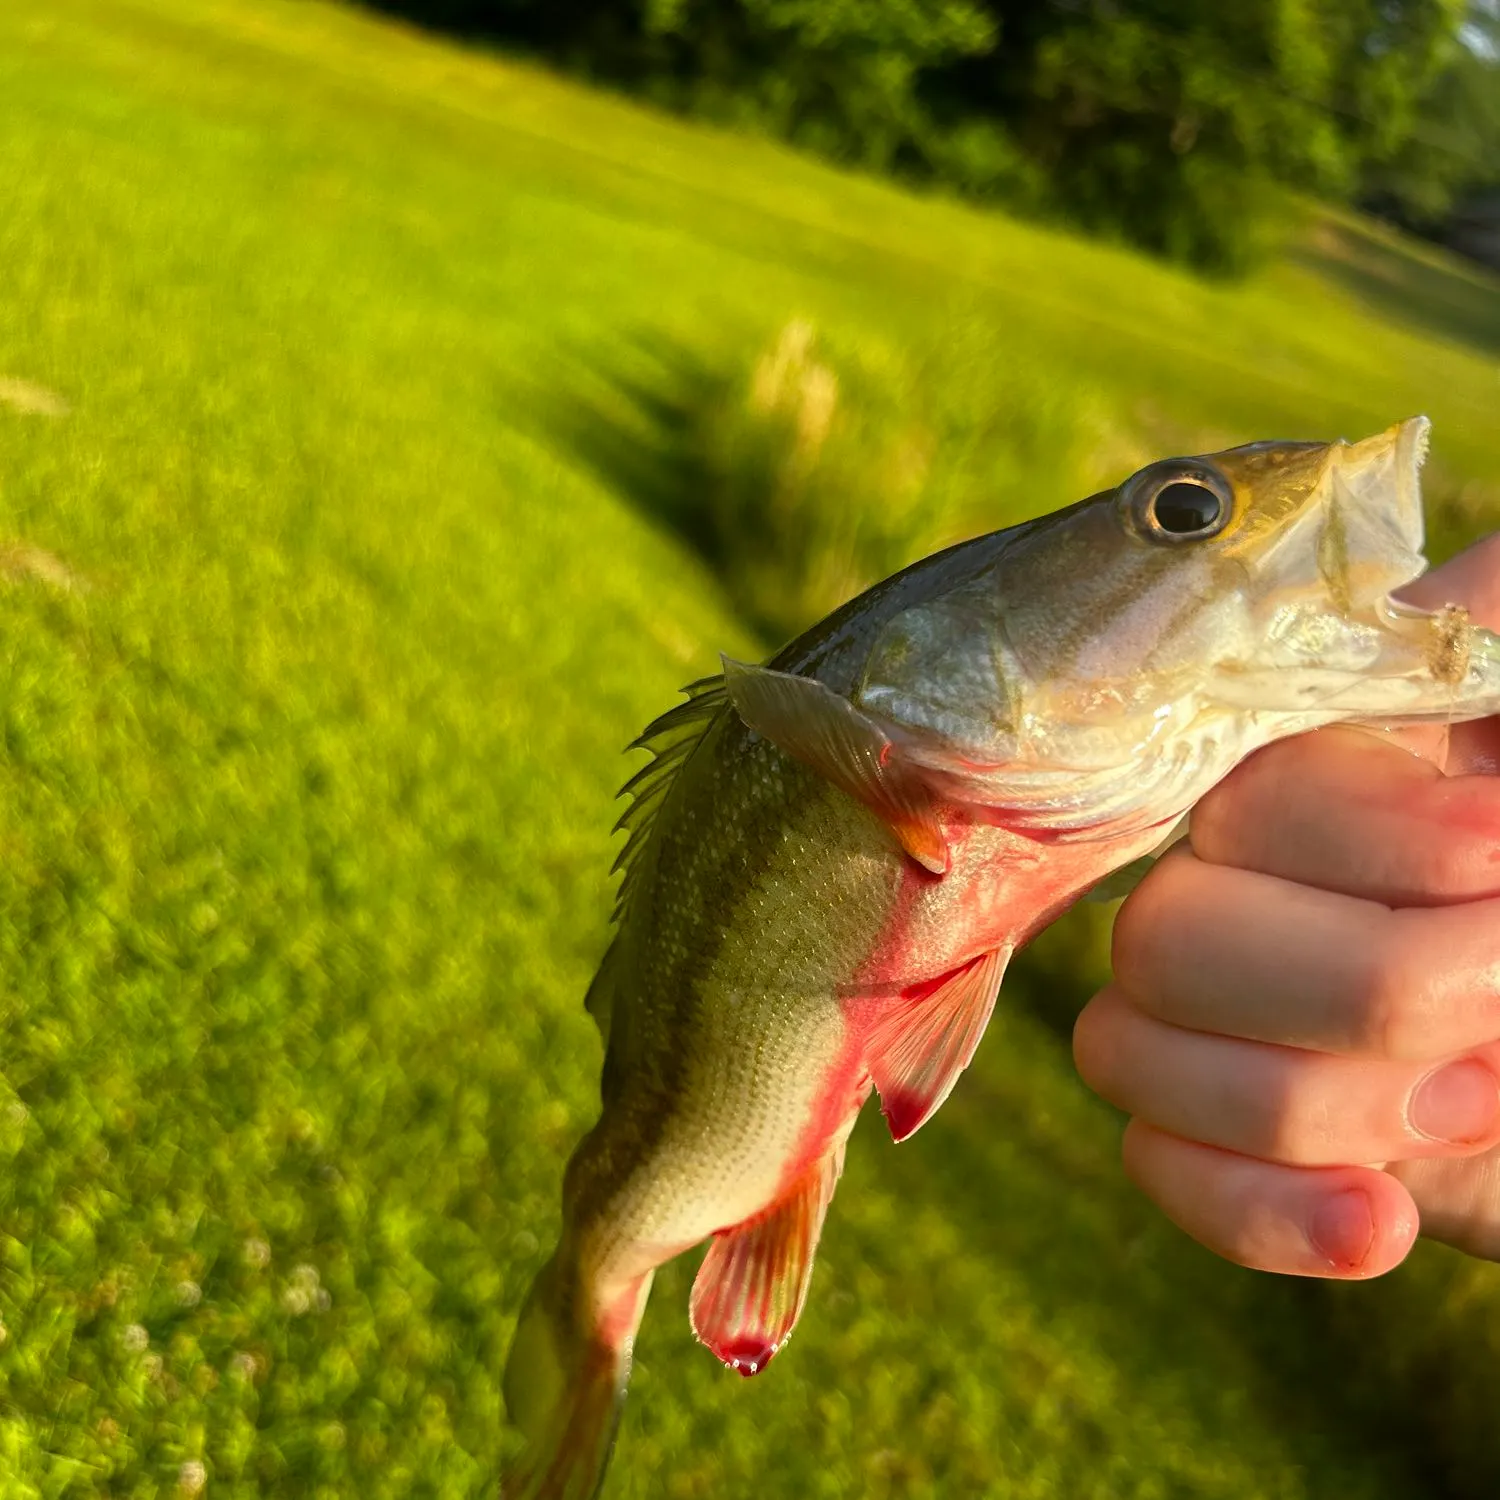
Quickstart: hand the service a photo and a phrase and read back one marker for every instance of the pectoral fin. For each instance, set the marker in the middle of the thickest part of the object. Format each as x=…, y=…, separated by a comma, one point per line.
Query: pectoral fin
x=753, y=1281
x=814, y=725
x=916, y=1053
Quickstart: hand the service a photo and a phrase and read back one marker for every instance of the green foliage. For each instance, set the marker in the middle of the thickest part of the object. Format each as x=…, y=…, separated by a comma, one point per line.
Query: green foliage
x=1168, y=121
x=838, y=75
x=921, y=31
x=354, y=394
x=1164, y=122
x=1454, y=147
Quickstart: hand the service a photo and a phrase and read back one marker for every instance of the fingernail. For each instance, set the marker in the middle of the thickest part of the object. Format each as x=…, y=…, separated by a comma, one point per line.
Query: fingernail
x=1343, y=1230
x=1458, y=1104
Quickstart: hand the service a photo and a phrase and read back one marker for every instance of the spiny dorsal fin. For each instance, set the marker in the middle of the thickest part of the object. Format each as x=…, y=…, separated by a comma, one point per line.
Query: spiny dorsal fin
x=670, y=739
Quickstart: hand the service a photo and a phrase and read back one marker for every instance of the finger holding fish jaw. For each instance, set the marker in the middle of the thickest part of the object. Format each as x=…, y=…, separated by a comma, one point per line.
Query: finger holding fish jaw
x=1313, y=984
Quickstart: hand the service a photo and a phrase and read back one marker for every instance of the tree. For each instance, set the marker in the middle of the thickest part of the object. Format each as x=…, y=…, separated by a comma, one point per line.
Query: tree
x=1164, y=120
x=839, y=75
x=1453, y=150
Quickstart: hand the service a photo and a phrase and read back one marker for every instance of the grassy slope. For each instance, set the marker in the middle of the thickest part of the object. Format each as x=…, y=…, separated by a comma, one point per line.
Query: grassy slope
x=304, y=786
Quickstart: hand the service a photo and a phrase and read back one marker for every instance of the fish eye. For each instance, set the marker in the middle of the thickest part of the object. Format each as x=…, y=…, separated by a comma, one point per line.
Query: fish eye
x=1180, y=502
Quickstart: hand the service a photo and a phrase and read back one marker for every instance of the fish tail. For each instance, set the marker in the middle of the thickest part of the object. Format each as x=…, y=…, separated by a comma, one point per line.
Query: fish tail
x=565, y=1382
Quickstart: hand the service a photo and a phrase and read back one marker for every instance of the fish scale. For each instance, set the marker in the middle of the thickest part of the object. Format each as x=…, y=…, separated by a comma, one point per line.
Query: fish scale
x=745, y=1007
x=833, y=856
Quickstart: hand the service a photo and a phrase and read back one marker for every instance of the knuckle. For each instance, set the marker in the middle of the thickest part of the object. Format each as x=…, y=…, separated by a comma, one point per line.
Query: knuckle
x=1103, y=1054
x=1132, y=941
x=1386, y=1020
x=1213, y=819
x=1128, y=942
x=1298, y=1124
x=1227, y=820
x=1088, y=1050
x=1442, y=864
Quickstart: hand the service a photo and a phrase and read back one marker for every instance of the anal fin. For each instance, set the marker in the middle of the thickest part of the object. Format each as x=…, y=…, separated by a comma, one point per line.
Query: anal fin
x=916, y=1051
x=751, y=1286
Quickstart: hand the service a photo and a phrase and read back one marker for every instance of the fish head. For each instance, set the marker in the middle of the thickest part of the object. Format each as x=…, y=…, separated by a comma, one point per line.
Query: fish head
x=1335, y=528
x=1203, y=602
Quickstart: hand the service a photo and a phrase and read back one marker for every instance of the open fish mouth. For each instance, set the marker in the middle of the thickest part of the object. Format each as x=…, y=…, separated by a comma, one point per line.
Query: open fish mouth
x=1336, y=640
x=1371, y=535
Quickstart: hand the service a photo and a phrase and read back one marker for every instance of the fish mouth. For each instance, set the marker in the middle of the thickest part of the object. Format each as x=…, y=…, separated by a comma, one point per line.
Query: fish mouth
x=1335, y=643
x=1370, y=536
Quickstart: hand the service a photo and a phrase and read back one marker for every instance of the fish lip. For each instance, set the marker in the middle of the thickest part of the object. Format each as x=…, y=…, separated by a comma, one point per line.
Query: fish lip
x=1376, y=484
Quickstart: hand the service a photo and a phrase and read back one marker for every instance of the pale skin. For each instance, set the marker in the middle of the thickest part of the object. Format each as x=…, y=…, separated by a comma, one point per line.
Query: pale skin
x=1304, y=1024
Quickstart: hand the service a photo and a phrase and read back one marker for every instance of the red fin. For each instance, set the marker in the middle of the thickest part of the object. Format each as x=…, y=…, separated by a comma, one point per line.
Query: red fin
x=814, y=725
x=916, y=1053
x=753, y=1281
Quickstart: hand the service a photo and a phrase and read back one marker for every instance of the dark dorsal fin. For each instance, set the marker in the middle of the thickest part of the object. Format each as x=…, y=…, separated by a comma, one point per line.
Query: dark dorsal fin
x=670, y=740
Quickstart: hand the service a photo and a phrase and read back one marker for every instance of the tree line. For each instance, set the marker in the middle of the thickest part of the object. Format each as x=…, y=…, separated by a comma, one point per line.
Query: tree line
x=1167, y=123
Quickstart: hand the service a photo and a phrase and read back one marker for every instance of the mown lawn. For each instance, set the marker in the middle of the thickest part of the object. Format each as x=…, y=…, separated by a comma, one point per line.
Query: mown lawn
x=356, y=396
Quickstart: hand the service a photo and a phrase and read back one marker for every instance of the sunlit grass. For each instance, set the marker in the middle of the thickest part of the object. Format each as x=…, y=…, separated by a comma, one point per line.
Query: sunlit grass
x=356, y=388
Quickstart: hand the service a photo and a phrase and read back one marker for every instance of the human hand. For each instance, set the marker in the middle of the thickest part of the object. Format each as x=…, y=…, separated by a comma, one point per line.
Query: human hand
x=1311, y=984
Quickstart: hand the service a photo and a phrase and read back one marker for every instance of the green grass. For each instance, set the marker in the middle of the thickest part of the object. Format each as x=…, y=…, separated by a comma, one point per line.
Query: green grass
x=391, y=371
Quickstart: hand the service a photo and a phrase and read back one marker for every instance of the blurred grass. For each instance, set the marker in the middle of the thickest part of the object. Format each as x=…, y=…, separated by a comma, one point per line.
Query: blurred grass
x=357, y=395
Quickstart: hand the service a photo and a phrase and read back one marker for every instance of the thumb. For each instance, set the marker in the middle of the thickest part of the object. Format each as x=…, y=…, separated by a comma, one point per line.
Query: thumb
x=1471, y=579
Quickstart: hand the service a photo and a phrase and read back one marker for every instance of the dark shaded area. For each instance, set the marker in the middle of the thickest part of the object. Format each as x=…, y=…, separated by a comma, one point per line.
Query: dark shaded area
x=513, y=20
x=593, y=38
x=668, y=431
x=636, y=421
x=1447, y=301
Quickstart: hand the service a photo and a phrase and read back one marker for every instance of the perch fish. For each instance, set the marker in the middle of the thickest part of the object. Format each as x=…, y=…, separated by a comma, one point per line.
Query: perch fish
x=832, y=857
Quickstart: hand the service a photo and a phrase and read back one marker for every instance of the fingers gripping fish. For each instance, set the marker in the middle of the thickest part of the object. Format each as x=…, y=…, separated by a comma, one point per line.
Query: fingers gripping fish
x=831, y=858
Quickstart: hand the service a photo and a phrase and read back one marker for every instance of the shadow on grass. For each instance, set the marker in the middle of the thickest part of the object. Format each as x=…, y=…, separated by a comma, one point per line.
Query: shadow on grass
x=1459, y=305
x=468, y=20
x=655, y=423
x=636, y=424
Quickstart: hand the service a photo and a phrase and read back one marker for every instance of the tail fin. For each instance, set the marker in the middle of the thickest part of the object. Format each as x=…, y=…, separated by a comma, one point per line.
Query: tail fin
x=564, y=1384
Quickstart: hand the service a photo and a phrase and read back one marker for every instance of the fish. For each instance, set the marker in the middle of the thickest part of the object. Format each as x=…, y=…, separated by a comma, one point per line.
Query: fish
x=832, y=856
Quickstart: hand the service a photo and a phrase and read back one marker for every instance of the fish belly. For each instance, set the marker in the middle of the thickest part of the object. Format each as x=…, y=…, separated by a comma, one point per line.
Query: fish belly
x=742, y=1066
x=760, y=1109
